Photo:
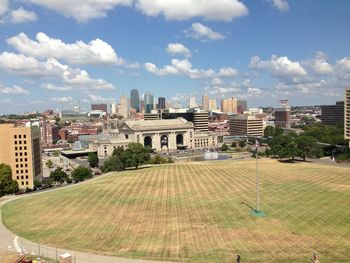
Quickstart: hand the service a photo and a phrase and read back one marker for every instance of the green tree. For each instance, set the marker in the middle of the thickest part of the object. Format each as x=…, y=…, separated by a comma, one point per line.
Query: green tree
x=121, y=158
x=47, y=182
x=278, y=131
x=37, y=183
x=308, y=147
x=137, y=154
x=113, y=163
x=224, y=147
x=241, y=144
x=283, y=146
x=58, y=176
x=81, y=173
x=7, y=184
x=49, y=163
x=234, y=144
x=93, y=160
x=269, y=131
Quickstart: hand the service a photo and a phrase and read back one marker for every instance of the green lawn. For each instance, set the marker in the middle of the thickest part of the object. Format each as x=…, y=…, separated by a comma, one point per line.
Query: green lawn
x=192, y=212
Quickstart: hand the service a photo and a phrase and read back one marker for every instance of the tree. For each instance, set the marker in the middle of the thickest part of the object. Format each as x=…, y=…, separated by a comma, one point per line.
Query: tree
x=269, y=131
x=37, y=183
x=137, y=154
x=47, y=182
x=242, y=144
x=224, y=147
x=81, y=173
x=112, y=164
x=234, y=144
x=49, y=163
x=93, y=160
x=308, y=147
x=7, y=184
x=278, y=131
x=58, y=175
x=283, y=146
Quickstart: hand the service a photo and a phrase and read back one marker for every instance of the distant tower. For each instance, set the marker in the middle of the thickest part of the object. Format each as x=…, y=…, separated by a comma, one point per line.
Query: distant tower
x=192, y=102
x=135, y=100
x=282, y=115
x=205, y=103
x=123, y=108
x=149, y=101
x=161, y=103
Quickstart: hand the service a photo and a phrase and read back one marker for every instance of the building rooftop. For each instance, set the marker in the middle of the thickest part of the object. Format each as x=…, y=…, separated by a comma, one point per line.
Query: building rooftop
x=178, y=123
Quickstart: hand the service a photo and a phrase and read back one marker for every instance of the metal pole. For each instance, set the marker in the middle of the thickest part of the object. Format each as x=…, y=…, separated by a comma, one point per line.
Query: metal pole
x=257, y=182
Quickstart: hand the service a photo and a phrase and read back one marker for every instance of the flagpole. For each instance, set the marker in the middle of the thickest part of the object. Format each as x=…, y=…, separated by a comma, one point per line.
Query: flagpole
x=257, y=181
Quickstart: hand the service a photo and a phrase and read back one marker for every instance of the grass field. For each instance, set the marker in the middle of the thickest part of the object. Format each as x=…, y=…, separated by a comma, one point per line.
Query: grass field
x=192, y=212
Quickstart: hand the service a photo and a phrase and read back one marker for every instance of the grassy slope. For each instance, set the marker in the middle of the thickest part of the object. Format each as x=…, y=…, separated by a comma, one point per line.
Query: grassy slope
x=191, y=212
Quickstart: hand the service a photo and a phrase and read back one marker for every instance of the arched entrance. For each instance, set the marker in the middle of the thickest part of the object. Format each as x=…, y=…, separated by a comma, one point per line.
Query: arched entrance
x=147, y=141
x=179, y=140
x=164, y=141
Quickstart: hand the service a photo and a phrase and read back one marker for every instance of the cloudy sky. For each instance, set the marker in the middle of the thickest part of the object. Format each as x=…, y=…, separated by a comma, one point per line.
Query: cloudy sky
x=55, y=53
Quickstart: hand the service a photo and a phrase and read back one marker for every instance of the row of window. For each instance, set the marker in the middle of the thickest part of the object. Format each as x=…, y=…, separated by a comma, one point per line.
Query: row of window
x=20, y=142
x=20, y=153
x=20, y=148
x=19, y=136
x=21, y=160
x=22, y=177
x=21, y=165
x=21, y=171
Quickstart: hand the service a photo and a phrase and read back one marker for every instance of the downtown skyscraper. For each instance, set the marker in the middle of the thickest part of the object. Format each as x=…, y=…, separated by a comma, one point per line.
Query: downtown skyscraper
x=135, y=100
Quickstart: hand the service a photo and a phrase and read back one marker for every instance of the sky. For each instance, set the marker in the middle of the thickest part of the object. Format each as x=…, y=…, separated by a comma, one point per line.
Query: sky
x=58, y=53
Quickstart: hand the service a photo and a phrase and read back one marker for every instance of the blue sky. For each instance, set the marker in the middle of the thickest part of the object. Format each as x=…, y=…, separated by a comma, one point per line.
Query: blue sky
x=55, y=53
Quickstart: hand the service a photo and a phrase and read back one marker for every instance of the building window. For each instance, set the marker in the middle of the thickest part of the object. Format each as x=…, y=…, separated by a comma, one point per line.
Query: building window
x=26, y=176
x=16, y=154
x=20, y=153
x=17, y=171
x=19, y=136
x=26, y=159
x=25, y=165
x=16, y=160
x=21, y=160
x=26, y=182
x=15, y=142
x=20, y=148
x=24, y=136
x=25, y=148
x=20, y=142
x=24, y=142
x=26, y=171
x=22, y=183
x=16, y=148
x=16, y=165
x=15, y=136
x=17, y=177
x=22, y=177
x=25, y=153
x=21, y=165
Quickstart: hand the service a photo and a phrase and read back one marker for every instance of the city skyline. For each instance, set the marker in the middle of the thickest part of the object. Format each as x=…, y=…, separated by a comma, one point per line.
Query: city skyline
x=259, y=51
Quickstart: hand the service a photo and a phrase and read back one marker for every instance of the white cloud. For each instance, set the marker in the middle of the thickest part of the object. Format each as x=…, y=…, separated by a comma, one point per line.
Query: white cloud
x=95, y=52
x=63, y=99
x=4, y=5
x=184, y=67
x=319, y=65
x=20, y=65
x=178, y=49
x=280, y=67
x=224, y=10
x=281, y=5
x=81, y=10
x=49, y=86
x=15, y=90
x=22, y=16
x=99, y=99
x=199, y=31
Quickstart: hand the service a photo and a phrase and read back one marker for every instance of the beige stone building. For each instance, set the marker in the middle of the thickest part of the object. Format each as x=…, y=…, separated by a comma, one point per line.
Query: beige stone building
x=246, y=126
x=20, y=148
x=229, y=105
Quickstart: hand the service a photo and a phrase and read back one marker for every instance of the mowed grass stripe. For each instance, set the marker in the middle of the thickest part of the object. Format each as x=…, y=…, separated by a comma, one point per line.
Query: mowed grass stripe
x=190, y=212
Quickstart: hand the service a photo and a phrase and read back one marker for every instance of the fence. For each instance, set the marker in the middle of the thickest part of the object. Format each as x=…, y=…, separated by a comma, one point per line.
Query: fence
x=40, y=252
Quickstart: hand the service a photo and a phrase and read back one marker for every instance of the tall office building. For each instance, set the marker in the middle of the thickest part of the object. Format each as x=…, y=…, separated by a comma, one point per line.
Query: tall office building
x=161, y=103
x=333, y=114
x=123, y=107
x=192, y=102
x=100, y=107
x=20, y=149
x=282, y=117
x=241, y=106
x=229, y=105
x=347, y=115
x=212, y=105
x=149, y=101
x=246, y=126
x=135, y=100
x=205, y=102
